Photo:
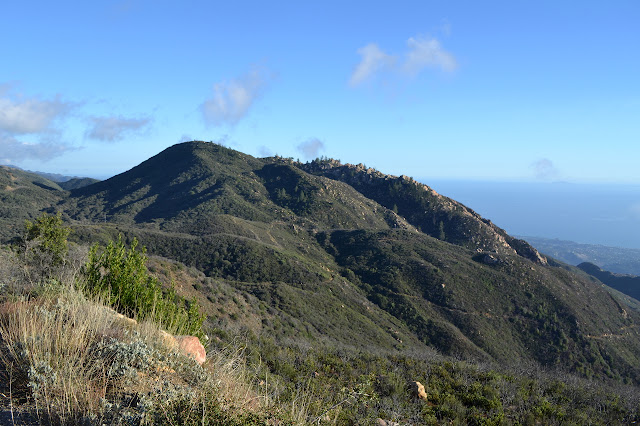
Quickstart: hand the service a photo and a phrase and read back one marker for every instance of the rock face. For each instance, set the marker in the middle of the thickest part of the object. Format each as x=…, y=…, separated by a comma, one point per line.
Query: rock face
x=191, y=346
x=425, y=209
x=490, y=259
x=418, y=390
x=187, y=345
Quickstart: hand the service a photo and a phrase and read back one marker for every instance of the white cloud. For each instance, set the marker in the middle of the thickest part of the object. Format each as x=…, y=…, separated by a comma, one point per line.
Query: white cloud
x=232, y=100
x=13, y=150
x=115, y=128
x=22, y=116
x=373, y=60
x=422, y=53
x=427, y=53
x=33, y=127
x=311, y=147
x=544, y=169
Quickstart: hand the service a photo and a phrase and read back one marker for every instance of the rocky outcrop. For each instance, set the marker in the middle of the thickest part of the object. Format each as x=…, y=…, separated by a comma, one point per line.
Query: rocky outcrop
x=489, y=259
x=425, y=209
x=526, y=250
x=418, y=391
x=187, y=345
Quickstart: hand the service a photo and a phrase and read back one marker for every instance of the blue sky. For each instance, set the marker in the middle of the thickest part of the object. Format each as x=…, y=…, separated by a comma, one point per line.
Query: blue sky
x=509, y=90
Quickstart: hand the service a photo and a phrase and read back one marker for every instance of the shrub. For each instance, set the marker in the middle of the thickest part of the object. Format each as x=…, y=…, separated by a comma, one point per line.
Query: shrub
x=43, y=247
x=120, y=276
x=49, y=236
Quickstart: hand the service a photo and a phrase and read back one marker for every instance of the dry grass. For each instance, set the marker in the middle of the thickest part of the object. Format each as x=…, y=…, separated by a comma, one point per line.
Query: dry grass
x=72, y=360
x=66, y=359
x=46, y=348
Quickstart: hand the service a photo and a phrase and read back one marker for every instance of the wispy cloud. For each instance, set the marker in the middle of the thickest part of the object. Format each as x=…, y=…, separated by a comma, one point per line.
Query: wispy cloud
x=544, y=169
x=427, y=53
x=33, y=115
x=311, y=148
x=372, y=60
x=34, y=127
x=231, y=100
x=12, y=150
x=35, y=118
x=264, y=151
x=422, y=53
x=115, y=128
x=224, y=140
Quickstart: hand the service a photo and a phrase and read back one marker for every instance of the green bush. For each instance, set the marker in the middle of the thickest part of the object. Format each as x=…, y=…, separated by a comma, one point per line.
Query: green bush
x=43, y=247
x=120, y=276
x=50, y=236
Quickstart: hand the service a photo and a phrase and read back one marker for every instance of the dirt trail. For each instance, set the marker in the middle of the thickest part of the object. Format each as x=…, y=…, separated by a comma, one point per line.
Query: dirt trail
x=618, y=335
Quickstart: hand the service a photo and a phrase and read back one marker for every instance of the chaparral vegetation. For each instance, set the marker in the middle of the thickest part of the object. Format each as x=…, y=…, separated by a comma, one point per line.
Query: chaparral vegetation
x=321, y=291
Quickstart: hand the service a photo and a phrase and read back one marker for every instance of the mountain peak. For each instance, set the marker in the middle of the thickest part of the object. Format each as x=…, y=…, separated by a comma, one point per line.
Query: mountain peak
x=348, y=255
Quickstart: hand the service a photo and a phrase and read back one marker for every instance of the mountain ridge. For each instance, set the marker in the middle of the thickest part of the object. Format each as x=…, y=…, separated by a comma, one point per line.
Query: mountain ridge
x=344, y=254
x=467, y=223
x=625, y=283
x=615, y=259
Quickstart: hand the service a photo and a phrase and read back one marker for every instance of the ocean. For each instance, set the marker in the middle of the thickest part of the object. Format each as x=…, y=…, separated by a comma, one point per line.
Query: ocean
x=607, y=214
